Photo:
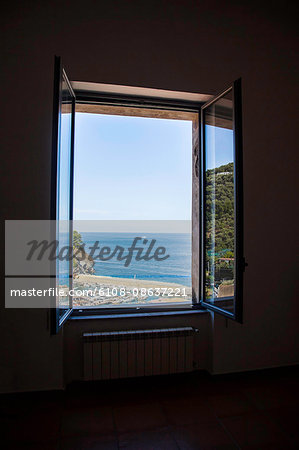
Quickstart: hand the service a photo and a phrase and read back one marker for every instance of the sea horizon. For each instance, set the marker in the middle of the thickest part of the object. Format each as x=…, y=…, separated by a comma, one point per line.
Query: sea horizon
x=175, y=269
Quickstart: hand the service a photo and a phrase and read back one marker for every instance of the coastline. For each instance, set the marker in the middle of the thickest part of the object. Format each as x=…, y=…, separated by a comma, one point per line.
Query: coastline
x=171, y=292
x=128, y=282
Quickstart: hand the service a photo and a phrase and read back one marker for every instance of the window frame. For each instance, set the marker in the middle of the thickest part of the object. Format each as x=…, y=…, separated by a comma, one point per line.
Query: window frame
x=137, y=101
x=172, y=101
x=240, y=264
x=58, y=319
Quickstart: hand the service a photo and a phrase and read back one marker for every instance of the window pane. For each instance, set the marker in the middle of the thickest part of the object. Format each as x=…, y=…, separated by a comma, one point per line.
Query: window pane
x=133, y=169
x=219, y=204
x=63, y=195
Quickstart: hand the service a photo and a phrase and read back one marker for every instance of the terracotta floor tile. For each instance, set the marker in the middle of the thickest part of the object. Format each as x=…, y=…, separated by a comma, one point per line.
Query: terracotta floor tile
x=288, y=420
x=139, y=417
x=231, y=405
x=150, y=440
x=186, y=411
x=272, y=396
x=36, y=426
x=85, y=421
x=256, y=430
x=91, y=442
x=53, y=445
x=204, y=436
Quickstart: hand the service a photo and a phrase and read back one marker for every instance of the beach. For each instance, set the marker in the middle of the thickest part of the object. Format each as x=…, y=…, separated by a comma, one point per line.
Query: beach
x=128, y=282
x=95, y=290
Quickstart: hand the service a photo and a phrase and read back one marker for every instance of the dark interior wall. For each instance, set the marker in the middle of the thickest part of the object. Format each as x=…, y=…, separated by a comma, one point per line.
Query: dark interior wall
x=186, y=45
x=73, y=342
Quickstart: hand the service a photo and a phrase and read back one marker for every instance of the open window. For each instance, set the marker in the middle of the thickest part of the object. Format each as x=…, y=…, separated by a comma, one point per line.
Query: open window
x=215, y=240
x=62, y=189
x=222, y=261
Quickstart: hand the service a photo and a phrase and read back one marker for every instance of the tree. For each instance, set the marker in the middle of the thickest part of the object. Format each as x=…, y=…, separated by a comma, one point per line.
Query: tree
x=77, y=240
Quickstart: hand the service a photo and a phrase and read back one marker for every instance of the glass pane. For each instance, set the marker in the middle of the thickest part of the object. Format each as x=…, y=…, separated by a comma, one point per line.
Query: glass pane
x=63, y=196
x=219, y=204
x=142, y=163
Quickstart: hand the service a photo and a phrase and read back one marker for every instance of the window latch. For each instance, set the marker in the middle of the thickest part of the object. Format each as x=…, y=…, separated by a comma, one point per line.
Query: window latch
x=244, y=264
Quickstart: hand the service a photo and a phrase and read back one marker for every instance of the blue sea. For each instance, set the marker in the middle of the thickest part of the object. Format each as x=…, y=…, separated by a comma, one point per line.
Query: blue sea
x=175, y=269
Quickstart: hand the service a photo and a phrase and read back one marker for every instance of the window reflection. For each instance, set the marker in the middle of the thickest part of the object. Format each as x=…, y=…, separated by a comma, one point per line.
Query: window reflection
x=63, y=189
x=219, y=204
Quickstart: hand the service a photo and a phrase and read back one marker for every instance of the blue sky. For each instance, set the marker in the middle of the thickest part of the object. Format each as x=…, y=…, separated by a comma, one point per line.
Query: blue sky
x=134, y=168
x=219, y=146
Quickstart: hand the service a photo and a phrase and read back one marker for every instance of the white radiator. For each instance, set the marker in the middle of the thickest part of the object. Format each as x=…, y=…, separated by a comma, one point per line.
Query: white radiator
x=122, y=354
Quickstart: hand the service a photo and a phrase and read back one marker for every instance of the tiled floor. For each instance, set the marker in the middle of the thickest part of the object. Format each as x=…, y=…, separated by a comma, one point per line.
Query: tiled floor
x=190, y=411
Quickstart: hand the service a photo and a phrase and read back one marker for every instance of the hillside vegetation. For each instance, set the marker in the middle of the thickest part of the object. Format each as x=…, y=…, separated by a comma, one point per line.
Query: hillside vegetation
x=220, y=192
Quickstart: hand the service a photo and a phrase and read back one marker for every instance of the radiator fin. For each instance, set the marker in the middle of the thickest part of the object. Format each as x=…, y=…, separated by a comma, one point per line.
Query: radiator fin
x=136, y=353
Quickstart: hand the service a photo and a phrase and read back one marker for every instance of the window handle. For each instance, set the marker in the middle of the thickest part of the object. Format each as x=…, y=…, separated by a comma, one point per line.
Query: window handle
x=244, y=264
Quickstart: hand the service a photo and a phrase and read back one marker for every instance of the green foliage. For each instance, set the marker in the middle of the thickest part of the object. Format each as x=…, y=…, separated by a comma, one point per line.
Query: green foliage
x=82, y=262
x=77, y=240
x=220, y=209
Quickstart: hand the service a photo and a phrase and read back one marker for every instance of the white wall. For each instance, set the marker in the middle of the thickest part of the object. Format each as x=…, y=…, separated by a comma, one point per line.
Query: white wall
x=178, y=45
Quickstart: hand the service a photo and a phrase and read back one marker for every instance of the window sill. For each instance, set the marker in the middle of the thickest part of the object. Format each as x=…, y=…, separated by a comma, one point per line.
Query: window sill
x=136, y=314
